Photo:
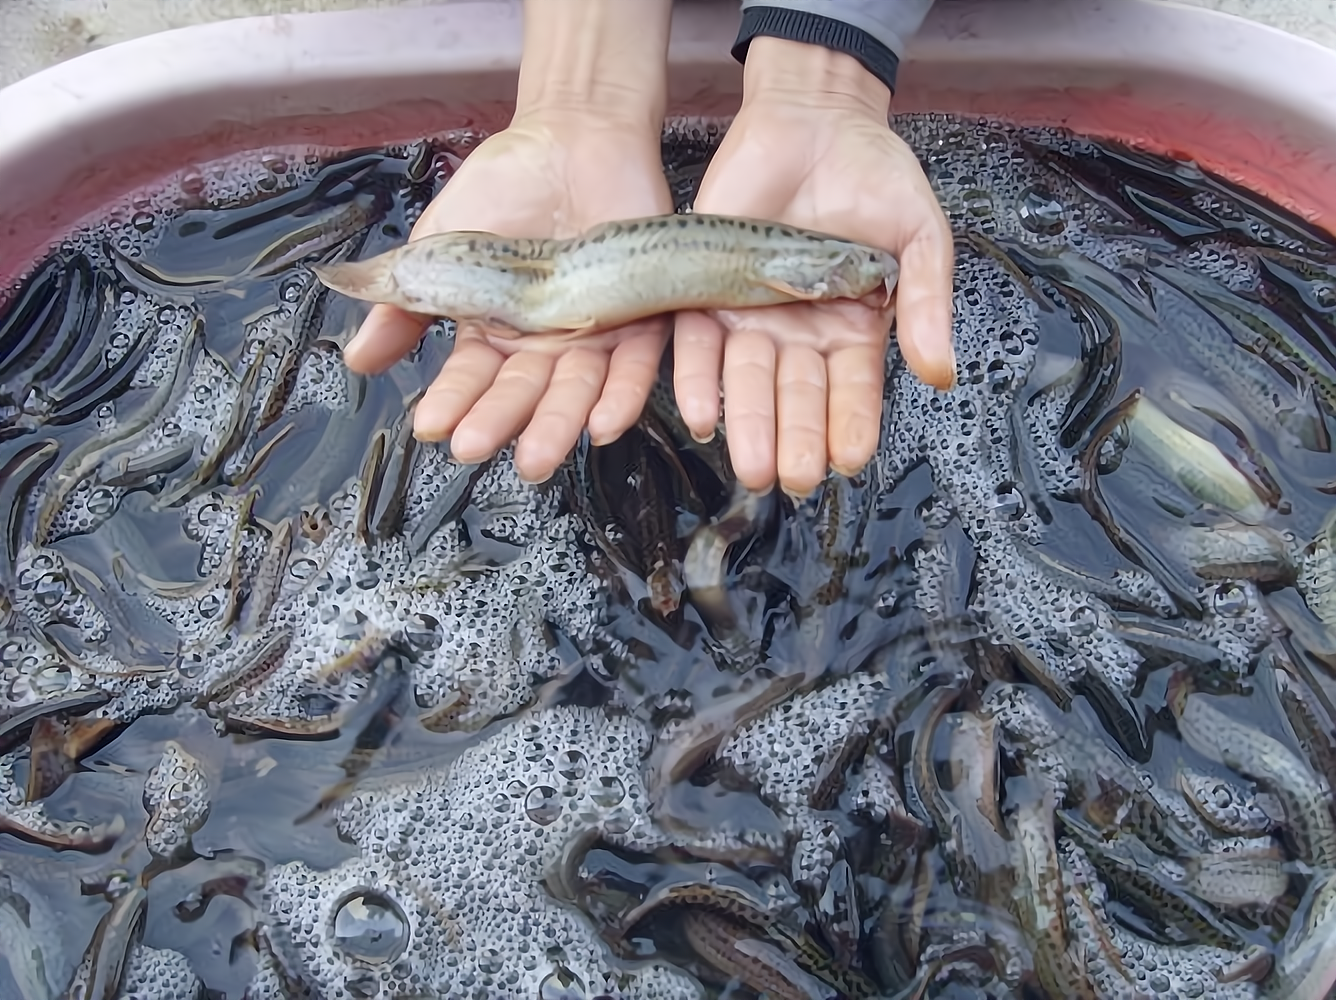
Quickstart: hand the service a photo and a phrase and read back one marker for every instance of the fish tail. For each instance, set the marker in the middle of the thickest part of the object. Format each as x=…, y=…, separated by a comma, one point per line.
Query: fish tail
x=371, y=280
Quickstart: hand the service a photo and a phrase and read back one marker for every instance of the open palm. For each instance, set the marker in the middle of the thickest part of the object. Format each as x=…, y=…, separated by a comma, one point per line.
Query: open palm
x=802, y=383
x=534, y=179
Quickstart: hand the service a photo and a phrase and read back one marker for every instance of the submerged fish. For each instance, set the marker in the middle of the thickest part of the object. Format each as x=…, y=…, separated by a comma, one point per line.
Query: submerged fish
x=1194, y=462
x=1256, y=755
x=616, y=273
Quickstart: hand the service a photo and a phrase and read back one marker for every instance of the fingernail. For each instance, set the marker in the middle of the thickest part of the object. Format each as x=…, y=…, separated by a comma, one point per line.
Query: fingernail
x=701, y=440
x=795, y=496
x=951, y=361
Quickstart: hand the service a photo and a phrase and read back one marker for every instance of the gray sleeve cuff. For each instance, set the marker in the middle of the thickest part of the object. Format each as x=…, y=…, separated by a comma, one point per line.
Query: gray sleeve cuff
x=890, y=22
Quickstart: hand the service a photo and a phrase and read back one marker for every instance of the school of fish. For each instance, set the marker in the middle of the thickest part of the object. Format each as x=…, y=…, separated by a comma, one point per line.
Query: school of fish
x=1040, y=704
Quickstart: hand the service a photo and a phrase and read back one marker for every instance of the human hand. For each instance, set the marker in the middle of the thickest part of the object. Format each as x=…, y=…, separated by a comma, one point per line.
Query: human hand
x=811, y=147
x=577, y=153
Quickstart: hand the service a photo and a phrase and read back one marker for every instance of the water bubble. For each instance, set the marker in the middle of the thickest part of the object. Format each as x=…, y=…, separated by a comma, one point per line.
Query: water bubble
x=52, y=679
x=491, y=961
x=203, y=392
x=1325, y=296
x=423, y=631
x=192, y=665
x=352, y=625
x=167, y=314
x=608, y=791
x=561, y=984
x=542, y=805
x=117, y=885
x=1083, y=622
x=977, y=202
x=1230, y=600
x=371, y=927
x=1112, y=449
x=1012, y=343
x=209, y=605
x=302, y=570
x=170, y=429
x=1040, y=212
x=50, y=590
x=192, y=183
x=620, y=821
x=363, y=986
x=1008, y=502
x=143, y=221
x=572, y=765
x=101, y=502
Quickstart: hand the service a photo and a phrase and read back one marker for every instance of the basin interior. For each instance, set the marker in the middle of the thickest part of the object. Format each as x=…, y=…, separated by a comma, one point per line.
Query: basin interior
x=530, y=693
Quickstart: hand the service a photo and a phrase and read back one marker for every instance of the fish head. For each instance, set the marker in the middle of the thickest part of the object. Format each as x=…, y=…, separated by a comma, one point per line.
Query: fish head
x=862, y=272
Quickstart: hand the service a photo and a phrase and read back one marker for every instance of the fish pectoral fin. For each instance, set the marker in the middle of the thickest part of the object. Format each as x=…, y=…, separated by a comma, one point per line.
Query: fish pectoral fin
x=502, y=326
x=801, y=294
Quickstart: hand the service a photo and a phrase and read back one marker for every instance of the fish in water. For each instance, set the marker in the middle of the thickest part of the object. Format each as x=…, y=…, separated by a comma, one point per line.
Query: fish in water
x=617, y=273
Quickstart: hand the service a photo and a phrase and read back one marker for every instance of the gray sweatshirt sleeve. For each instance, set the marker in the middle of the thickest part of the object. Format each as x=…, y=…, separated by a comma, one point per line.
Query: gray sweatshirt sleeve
x=872, y=31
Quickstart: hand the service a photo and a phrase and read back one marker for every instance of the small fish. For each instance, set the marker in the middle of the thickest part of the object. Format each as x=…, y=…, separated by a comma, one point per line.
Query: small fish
x=616, y=273
x=1256, y=755
x=705, y=567
x=1194, y=462
x=326, y=230
x=735, y=950
x=1317, y=573
x=102, y=969
x=1236, y=552
x=1226, y=806
x=1238, y=879
x=23, y=946
x=1307, y=970
x=1039, y=898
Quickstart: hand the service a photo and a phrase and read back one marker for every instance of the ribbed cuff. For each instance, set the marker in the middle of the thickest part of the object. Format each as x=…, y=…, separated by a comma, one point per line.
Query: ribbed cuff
x=816, y=29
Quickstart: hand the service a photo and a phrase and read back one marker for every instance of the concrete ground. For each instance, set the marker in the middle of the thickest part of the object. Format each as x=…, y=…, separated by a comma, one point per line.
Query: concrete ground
x=37, y=33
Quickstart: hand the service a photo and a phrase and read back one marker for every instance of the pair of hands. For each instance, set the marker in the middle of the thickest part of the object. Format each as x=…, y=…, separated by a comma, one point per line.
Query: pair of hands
x=803, y=382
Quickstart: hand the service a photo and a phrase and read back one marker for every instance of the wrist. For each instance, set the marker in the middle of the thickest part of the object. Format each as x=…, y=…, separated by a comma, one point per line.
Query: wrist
x=595, y=61
x=807, y=74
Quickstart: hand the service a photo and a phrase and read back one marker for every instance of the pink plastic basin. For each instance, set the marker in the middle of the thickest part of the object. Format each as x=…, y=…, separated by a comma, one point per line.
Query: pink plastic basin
x=1254, y=104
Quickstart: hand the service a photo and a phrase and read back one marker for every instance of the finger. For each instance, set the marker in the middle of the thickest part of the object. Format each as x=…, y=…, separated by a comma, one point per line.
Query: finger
x=800, y=419
x=577, y=380
x=698, y=350
x=857, y=375
x=749, y=407
x=386, y=335
x=465, y=376
x=631, y=372
x=923, y=304
x=504, y=409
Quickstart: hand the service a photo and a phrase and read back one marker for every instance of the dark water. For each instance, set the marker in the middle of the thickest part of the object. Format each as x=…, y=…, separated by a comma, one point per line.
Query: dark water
x=293, y=707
